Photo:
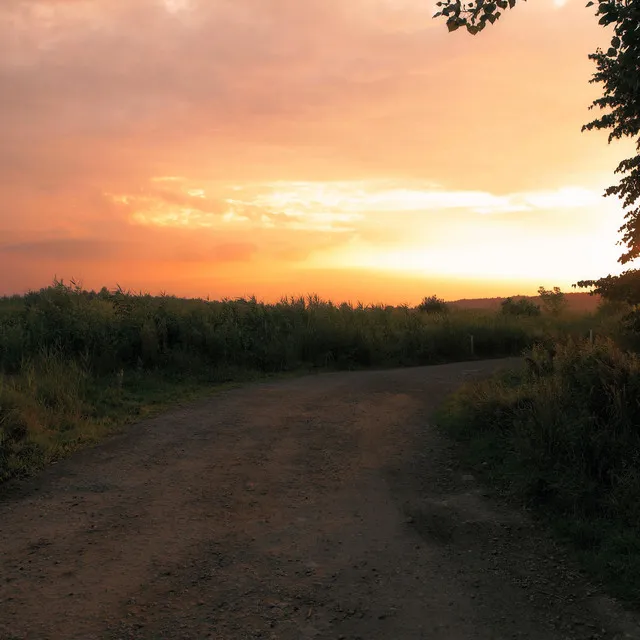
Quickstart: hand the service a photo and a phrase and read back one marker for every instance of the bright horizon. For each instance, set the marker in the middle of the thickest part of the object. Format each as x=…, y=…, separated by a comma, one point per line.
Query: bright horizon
x=276, y=148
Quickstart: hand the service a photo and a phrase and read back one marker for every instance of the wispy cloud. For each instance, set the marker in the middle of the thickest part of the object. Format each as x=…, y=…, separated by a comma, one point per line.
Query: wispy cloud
x=330, y=205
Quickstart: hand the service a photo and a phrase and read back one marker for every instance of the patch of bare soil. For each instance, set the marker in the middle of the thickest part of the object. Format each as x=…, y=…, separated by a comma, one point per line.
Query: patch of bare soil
x=321, y=507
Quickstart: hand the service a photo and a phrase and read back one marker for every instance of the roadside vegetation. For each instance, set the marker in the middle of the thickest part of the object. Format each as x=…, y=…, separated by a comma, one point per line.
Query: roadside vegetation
x=562, y=437
x=75, y=364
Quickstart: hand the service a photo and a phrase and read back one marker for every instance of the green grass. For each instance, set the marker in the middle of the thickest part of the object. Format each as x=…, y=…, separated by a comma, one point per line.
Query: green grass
x=562, y=437
x=75, y=364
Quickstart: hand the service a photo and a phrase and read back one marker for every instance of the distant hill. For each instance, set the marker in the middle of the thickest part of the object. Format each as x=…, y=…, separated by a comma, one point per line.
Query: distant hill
x=579, y=302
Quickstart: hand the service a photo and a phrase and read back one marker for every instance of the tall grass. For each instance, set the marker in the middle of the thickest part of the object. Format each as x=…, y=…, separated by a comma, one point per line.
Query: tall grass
x=41, y=410
x=72, y=361
x=562, y=436
x=108, y=331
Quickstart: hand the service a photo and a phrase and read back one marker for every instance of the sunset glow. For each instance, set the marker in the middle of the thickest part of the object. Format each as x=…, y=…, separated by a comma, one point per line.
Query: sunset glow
x=277, y=147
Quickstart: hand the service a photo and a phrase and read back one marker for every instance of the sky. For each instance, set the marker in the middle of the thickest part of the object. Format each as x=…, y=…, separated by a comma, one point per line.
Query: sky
x=356, y=149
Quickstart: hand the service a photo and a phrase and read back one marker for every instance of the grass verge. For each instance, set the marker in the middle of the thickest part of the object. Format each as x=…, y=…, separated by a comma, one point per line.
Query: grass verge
x=53, y=407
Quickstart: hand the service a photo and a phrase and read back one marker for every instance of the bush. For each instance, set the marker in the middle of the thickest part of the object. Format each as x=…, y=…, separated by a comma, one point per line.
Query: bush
x=563, y=436
x=433, y=304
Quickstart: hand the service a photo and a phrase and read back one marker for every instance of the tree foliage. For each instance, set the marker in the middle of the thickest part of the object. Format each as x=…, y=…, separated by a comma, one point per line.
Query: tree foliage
x=618, y=70
x=623, y=288
x=473, y=16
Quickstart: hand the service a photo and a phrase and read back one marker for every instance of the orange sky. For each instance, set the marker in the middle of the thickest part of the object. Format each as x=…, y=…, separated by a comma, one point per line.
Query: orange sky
x=276, y=147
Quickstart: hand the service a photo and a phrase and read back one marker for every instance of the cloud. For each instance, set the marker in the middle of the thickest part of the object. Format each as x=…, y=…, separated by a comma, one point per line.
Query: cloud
x=385, y=211
x=349, y=202
x=234, y=87
x=147, y=138
x=564, y=198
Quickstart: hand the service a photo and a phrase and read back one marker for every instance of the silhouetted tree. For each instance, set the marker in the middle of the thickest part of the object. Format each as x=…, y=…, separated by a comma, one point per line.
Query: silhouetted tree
x=623, y=288
x=618, y=70
x=554, y=301
x=433, y=304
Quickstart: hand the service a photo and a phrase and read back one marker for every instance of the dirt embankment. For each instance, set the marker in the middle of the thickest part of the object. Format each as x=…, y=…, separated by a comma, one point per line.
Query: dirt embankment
x=321, y=507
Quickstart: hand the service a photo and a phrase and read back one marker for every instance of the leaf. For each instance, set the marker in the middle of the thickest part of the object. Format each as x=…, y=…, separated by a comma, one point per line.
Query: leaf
x=452, y=25
x=612, y=52
x=615, y=42
x=502, y=4
x=589, y=4
x=512, y=3
x=472, y=29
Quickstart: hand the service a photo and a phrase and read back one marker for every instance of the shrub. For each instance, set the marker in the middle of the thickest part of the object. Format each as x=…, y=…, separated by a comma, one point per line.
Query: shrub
x=563, y=436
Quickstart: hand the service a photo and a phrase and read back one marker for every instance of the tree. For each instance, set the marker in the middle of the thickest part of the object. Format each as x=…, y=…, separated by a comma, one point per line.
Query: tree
x=624, y=288
x=433, y=304
x=618, y=69
x=554, y=301
x=520, y=307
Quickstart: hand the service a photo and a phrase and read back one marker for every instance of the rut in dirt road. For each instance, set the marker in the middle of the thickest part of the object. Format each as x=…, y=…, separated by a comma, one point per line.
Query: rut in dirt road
x=321, y=507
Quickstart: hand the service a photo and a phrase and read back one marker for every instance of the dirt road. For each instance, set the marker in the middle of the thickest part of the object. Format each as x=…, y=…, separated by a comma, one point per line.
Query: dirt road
x=320, y=507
